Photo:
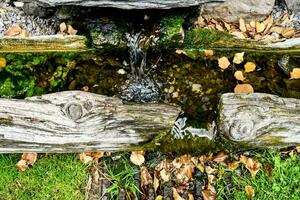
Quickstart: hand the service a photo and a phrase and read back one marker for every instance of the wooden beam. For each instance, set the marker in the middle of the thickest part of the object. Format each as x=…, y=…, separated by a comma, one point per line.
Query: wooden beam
x=76, y=121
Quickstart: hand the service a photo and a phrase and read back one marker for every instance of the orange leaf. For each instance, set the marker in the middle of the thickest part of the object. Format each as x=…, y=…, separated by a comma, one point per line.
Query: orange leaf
x=251, y=165
x=223, y=62
x=288, y=33
x=208, y=53
x=85, y=159
x=14, y=30
x=176, y=196
x=249, y=191
x=250, y=67
x=295, y=74
x=30, y=158
x=243, y=88
x=209, y=193
x=155, y=183
x=22, y=165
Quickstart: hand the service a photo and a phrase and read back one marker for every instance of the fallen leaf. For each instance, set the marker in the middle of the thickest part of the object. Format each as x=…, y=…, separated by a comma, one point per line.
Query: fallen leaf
x=249, y=191
x=295, y=74
x=71, y=30
x=14, y=30
x=238, y=34
x=85, y=159
x=298, y=149
x=260, y=27
x=62, y=27
x=242, y=25
x=190, y=197
x=243, y=88
x=186, y=173
x=239, y=75
x=208, y=53
x=146, y=178
x=250, y=164
x=268, y=23
x=159, y=197
x=176, y=196
x=210, y=178
x=30, y=158
x=249, y=67
x=238, y=58
x=233, y=165
x=223, y=62
x=220, y=157
x=165, y=176
x=209, y=193
x=155, y=183
x=22, y=165
x=96, y=154
x=276, y=29
x=288, y=33
x=268, y=169
x=209, y=170
x=227, y=26
x=137, y=157
x=2, y=63
x=252, y=24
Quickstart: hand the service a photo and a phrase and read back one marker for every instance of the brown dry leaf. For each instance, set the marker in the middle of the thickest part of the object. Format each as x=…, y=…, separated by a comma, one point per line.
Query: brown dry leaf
x=209, y=193
x=233, y=165
x=23, y=34
x=257, y=37
x=288, y=33
x=22, y=165
x=209, y=170
x=146, y=178
x=276, y=29
x=85, y=159
x=185, y=173
x=2, y=63
x=239, y=75
x=250, y=67
x=208, y=53
x=62, y=27
x=179, y=161
x=243, y=88
x=165, y=175
x=260, y=27
x=238, y=58
x=295, y=74
x=223, y=62
x=190, y=197
x=155, y=183
x=219, y=27
x=30, y=158
x=238, y=34
x=176, y=196
x=249, y=191
x=210, y=178
x=242, y=25
x=227, y=26
x=14, y=30
x=220, y=157
x=250, y=164
x=137, y=157
x=268, y=23
x=71, y=30
x=95, y=154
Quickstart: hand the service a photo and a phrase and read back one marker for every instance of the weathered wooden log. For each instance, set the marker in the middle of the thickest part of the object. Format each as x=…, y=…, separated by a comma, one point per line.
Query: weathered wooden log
x=76, y=121
x=259, y=120
x=126, y=4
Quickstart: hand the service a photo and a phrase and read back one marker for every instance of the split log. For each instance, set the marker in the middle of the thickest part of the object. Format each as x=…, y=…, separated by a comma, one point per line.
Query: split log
x=259, y=120
x=125, y=4
x=76, y=121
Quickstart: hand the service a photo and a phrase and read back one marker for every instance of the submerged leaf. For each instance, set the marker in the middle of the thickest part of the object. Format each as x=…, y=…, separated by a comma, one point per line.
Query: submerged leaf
x=223, y=62
x=250, y=67
x=295, y=74
x=239, y=75
x=238, y=58
x=243, y=88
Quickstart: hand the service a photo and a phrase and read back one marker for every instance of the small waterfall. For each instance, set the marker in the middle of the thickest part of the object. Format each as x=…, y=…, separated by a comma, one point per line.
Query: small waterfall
x=140, y=87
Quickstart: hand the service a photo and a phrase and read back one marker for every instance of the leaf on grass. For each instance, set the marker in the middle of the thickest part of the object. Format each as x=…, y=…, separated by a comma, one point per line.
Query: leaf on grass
x=30, y=158
x=249, y=191
x=252, y=165
x=146, y=178
x=208, y=53
x=238, y=58
x=22, y=165
x=223, y=62
x=250, y=67
x=71, y=30
x=243, y=88
x=242, y=25
x=233, y=165
x=85, y=159
x=137, y=157
x=239, y=75
x=2, y=63
x=295, y=74
x=14, y=30
x=176, y=196
x=220, y=157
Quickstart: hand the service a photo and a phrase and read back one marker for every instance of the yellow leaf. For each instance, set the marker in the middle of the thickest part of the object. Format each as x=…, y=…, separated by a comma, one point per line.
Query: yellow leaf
x=238, y=58
x=223, y=62
x=22, y=165
x=85, y=159
x=242, y=25
x=288, y=33
x=243, y=88
x=2, y=63
x=295, y=74
x=14, y=30
x=250, y=164
x=260, y=27
x=176, y=196
x=137, y=157
x=233, y=165
x=250, y=67
x=249, y=191
x=239, y=75
x=30, y=158
x=159, y=197
x=276, y=29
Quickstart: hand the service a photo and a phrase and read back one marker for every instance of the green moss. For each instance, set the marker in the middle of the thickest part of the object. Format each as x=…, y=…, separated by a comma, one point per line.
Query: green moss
x=171, y=33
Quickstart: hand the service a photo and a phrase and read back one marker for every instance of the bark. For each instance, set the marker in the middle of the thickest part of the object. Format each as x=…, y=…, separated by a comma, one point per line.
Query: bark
x=76, y=121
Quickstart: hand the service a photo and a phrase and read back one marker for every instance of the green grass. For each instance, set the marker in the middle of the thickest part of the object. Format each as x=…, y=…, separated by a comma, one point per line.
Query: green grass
x=280, y=183
x=60, y=176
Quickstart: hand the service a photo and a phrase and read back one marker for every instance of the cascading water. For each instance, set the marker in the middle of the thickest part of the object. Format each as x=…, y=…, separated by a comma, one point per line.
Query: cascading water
x=140, y=87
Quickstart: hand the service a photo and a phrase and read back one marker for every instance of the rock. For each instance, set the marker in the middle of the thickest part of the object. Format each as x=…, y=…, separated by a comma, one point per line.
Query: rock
x=124, y=4
x=293, y=5
x=232, y=10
